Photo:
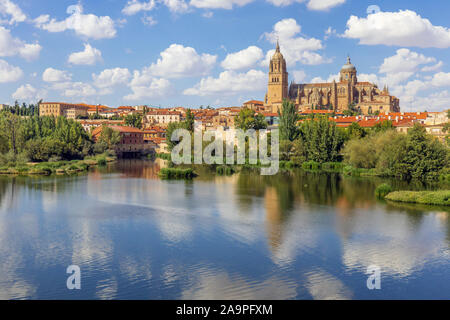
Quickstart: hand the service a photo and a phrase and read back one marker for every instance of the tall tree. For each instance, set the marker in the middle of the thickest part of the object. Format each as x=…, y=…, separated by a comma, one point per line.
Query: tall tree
x=190, y=119
x=288, y=121
x=248, y=119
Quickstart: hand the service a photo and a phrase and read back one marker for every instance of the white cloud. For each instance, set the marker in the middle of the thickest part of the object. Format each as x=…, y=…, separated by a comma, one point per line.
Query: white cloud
x=149, y=21
x=295, y=49
x=55, y=75
x=10, y=9
x=9, y=73
x=435, y=67
x=10, y=46
x=243, y=59
x=229, y=82
x=403, y=28
x=134, y=6
x=79, y=89
x=89, y=56
x=219, y=4
x=28, y=93
x=441, y=79
x=144, y=86
x=404, y=61
x=178, y=61
x=85, y=25
x=177, y=6
x=111, y=77
x=299, y=76
x=324, y=5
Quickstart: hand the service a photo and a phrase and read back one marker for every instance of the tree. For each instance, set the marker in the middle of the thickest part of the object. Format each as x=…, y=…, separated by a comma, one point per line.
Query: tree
x=247, y=119
x=383, y=126
x=190, y=119
x=322, y=141
x=109, y=137
x=355, y=131
x=134, y=120
x=288, y=121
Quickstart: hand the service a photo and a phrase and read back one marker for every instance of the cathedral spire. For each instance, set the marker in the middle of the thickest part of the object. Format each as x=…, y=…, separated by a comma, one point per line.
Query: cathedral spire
x=278, y=45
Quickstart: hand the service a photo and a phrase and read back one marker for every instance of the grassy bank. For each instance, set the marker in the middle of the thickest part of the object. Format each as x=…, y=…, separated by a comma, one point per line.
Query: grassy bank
x=57, y=167
x=175, y=173
x=441, y=198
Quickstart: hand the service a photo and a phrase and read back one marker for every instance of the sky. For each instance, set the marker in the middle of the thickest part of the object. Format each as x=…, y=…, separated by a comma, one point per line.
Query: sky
x=216, y=53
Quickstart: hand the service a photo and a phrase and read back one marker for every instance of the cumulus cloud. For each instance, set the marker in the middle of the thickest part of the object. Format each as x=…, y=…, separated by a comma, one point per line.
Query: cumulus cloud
x=28, y=93
x=299, y=76
x=9, y=9
x=89, y=56
x=229, y=82
x=79, y=89
x=134, y=6
x=324, y=5
x=9, y=73
x=85, y=25
x=243, y=59
x=176, y=6
x=55, y=75
x=178, y=61
x=403, y=28
x=10, y=46
x=219, y=4
x=111, y=77
x=144, y=85
x=294, y=48
x=405, y=60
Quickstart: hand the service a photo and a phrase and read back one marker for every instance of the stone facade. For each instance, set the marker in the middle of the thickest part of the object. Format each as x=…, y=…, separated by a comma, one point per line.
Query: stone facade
x=338, y=96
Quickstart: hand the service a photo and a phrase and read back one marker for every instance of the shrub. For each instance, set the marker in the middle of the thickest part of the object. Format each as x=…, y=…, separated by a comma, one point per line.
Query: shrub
x=102, y=161
x=311, y=165
x=383, y=190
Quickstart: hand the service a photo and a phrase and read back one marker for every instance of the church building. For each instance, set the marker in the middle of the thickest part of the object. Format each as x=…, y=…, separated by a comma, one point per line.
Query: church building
x=338, y=96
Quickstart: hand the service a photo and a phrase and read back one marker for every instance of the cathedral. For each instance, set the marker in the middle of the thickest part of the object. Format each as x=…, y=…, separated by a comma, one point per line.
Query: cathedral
x=338, y=96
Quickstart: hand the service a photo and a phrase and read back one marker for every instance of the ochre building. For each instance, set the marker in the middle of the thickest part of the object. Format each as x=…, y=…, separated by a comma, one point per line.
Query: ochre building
x=337, y=96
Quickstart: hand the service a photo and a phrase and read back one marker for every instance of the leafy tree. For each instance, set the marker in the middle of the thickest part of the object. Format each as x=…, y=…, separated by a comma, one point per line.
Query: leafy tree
x=134, y=120
x=322, y=140
x=383, y=126
x=247, y=119
x=109, y=137
x=355, y=131
x=288, y=121
x=190, y=119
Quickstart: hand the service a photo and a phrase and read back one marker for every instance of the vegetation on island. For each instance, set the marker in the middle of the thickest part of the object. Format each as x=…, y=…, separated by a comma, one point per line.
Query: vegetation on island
x=441, y=198
x=34, y=144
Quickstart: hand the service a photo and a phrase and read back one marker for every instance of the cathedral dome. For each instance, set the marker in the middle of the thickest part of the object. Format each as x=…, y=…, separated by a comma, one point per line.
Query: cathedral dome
x=348, y=66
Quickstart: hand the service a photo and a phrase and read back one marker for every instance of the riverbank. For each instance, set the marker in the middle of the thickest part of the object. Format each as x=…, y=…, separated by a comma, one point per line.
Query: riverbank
x=57, y=167
x=441, y=198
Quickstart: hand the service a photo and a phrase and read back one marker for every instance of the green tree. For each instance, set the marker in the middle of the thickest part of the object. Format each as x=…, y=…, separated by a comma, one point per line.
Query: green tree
x=247, y=119
x=288, y=121
x=190, y=119
x=109, y=137
x=134, y=120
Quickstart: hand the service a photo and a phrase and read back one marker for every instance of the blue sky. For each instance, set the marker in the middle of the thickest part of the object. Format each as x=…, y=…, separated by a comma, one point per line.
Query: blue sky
x=215, y=52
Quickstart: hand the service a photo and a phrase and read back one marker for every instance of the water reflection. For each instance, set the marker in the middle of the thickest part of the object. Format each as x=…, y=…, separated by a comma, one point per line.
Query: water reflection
x=293, y=236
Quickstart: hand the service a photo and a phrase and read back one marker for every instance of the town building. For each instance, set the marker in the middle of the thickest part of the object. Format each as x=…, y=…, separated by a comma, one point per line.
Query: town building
x=339, y=95
x=162, y=117
x=58, y=109
x=131, y=141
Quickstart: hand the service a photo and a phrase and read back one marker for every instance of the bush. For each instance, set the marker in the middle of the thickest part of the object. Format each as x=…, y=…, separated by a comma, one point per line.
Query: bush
x=421, y=197
x=311, y=165
x=102, y=161
x=383, y=190
x=175, y=173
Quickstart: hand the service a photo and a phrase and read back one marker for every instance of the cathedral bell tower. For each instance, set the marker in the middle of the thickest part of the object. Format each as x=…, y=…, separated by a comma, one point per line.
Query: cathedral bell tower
x=278, y=79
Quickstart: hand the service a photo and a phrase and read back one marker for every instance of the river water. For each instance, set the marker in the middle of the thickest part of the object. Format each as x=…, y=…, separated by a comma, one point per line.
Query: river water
x=296, y=235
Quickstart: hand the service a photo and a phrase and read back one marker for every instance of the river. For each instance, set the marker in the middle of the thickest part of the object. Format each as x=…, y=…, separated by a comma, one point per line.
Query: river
x=296, y=235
